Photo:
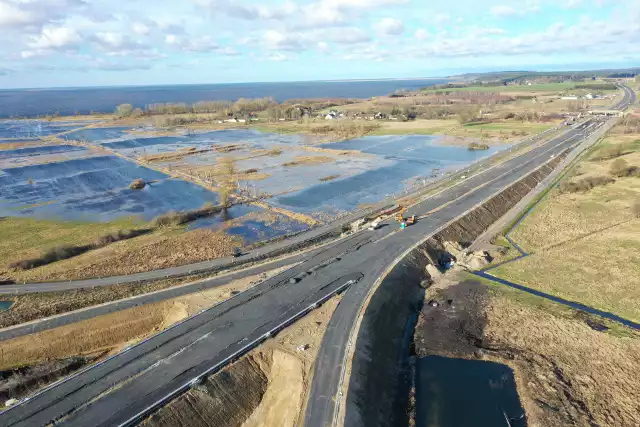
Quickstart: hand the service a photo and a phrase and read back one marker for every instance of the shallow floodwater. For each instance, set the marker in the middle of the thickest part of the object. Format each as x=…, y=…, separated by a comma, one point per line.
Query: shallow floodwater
x=73, y=183
x=402, y=162
x=34, y=128
x=95, y=189
x=459, y=392
x=96, y=134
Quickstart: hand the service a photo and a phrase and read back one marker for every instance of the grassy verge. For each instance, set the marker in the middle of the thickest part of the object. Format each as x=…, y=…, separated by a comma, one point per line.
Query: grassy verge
x=30, y=239
x=586, y=245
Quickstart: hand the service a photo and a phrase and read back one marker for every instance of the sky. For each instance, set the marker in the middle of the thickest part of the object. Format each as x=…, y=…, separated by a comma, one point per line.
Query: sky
x=67, y=43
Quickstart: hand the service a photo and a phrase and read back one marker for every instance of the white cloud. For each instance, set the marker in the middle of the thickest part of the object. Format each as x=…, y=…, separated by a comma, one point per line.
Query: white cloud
x=11, y=14
x=521, y=10
x=277, y=57
x=442, y=19
x=56, y=38
x=390, y=27
x=572, y=4
x=198, y=44
x=318, y=14
x=421, y=34
x=323, y=47
x=504, y=11
x=276, y=40
x=140, y=28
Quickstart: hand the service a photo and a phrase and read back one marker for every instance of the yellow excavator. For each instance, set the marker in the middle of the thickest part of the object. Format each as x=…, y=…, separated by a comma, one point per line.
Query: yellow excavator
x=404, y=222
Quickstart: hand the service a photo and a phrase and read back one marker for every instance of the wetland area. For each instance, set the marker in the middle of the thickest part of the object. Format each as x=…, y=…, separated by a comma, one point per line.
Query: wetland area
x=84, y=175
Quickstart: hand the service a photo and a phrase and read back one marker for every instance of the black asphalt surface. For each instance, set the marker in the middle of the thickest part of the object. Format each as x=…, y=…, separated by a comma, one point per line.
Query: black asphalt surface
x=133, y=381
x=299, y=241
x=123, y=388
x=629, y=98
x=321, y=406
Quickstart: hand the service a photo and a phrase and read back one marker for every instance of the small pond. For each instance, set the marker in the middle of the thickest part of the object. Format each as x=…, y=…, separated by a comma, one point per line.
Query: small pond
x=5, y=305
x=459, y=392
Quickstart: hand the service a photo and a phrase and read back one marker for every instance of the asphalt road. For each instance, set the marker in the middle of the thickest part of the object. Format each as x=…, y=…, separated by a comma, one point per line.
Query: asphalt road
x=321, y=405
x=122, y=388
x=629, y=98
x=129, y=383
x=326, y=380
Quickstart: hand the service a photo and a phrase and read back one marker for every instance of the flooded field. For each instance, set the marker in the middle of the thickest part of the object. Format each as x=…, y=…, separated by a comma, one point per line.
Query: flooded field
x=402, y=162
x=316, y=180
x=40, y=154
x=94, y=188
x=459, y=392
x=20, y=129
x=290, y=172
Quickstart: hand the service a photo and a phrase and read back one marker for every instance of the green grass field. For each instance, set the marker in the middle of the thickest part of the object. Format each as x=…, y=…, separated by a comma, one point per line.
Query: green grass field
x=585, y=246
x=26, y=237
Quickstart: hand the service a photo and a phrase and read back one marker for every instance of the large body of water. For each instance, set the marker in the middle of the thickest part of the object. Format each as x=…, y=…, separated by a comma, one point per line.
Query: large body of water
x=39, y=102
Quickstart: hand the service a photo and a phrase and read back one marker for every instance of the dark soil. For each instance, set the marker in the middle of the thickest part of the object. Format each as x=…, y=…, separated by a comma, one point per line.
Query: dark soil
x=18, y=383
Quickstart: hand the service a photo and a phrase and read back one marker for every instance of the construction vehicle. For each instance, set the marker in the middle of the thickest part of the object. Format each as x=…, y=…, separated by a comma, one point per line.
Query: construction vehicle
x=400, y=214
x=405, y=222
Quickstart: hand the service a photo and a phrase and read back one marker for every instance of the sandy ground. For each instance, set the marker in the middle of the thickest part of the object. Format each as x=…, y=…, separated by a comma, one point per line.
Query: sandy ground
x=116, y=330
x=567, y=372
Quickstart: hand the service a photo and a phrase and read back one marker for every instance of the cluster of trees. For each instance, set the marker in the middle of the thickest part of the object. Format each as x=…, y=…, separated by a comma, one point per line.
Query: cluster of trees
x=469, y=115
x=240, y=107
x=127, y=110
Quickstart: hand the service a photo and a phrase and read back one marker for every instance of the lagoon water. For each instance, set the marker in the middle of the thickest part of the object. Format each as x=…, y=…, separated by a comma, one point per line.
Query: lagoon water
x=68, y=101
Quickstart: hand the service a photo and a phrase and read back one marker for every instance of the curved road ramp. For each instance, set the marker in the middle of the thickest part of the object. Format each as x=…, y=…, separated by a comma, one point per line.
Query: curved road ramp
x=126, y=388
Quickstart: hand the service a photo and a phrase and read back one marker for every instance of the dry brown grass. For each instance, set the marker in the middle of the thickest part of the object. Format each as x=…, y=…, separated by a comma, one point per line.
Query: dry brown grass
x=8, y=145
x=171, y=156
x=601, y=270
x=310, y=160
x=590, y=377
x=585, y=246
x=165, y=248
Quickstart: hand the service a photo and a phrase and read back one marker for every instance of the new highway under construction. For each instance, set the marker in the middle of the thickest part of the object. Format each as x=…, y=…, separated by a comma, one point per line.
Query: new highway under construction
x=127, y=387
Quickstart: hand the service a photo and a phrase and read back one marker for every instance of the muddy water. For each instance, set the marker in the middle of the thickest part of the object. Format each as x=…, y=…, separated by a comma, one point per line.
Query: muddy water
x=459, y=392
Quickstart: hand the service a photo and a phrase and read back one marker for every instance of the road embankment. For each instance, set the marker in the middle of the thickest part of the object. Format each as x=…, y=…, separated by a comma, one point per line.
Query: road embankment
x=379, y=385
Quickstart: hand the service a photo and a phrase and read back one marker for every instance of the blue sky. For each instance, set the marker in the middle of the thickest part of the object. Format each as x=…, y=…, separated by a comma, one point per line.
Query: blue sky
x=58, y=43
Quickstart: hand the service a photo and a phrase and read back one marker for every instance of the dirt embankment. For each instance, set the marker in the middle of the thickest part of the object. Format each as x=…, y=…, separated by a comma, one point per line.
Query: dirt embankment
x=379, y=382
x=266, y=388
x=570, y=368
x=224, y=400
x=378, y=392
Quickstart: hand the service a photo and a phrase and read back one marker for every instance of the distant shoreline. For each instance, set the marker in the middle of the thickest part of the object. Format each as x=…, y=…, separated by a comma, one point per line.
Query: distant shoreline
x=23, y=103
